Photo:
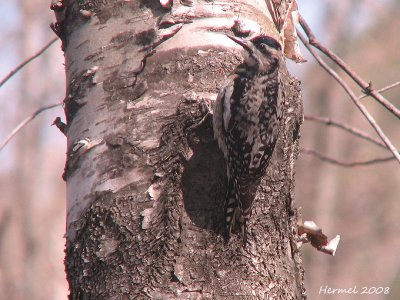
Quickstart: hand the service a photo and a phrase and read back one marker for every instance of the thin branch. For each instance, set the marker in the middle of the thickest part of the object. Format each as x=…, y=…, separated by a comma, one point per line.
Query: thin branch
x=384, y=89
x=352, y=130
x=26, y=121
x=353, y=97
x=27, y=61
x=344, y=163
x=366, y=87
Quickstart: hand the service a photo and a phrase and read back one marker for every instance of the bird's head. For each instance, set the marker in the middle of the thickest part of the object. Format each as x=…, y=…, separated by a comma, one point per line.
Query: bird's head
x=263, y=51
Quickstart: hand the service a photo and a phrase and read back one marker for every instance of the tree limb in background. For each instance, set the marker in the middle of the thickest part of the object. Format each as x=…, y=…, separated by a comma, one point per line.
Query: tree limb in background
x=26, y=121
x=353, y=97
x=334, y=161
x=352, y=130
x=366, y=87
x=384, y=89
x=27, y=61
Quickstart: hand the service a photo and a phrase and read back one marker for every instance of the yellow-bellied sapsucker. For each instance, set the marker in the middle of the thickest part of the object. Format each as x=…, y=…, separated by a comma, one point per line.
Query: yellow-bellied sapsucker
x=246, y=121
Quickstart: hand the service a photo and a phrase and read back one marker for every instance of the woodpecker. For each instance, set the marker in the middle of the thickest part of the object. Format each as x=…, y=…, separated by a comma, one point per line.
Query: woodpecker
x=246, y=122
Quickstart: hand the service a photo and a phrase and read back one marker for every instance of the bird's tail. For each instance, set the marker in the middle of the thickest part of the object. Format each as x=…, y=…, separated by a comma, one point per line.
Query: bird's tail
x=238, y=205
x=231, y=209
x=247, y=192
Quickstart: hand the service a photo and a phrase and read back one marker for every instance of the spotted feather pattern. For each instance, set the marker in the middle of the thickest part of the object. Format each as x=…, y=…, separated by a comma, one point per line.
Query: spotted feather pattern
x=246, y=125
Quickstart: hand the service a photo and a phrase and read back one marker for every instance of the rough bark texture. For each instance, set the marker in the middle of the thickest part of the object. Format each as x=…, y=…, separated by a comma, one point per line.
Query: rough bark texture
x=145, y=203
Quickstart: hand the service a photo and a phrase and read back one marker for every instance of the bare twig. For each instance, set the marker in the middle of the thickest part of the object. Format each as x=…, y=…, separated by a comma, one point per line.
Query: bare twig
x=26, y=121
x=355, y=131
x=366, y=87
x=334, y=161
x=24, y=63
x=384, y=89
x=359, y=105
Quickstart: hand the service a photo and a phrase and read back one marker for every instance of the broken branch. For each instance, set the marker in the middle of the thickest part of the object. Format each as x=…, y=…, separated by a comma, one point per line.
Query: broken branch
x=26, y=121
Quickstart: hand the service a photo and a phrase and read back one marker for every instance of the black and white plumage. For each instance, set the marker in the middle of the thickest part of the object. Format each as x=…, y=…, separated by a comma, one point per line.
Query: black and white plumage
x=246, y=121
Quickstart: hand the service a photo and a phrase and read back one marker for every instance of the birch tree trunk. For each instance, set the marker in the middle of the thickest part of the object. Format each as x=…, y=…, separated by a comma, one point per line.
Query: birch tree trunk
x=145, y=179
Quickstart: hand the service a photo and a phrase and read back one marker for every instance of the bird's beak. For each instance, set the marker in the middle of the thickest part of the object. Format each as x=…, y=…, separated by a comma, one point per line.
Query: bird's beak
x=244, y=43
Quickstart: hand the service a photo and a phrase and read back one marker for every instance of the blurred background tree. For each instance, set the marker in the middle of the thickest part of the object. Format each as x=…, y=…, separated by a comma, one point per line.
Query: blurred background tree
x=361, y=204
x=32, y=197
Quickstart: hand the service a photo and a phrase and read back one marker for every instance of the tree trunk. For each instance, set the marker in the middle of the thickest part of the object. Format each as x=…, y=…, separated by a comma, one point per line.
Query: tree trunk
x=146, y=187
